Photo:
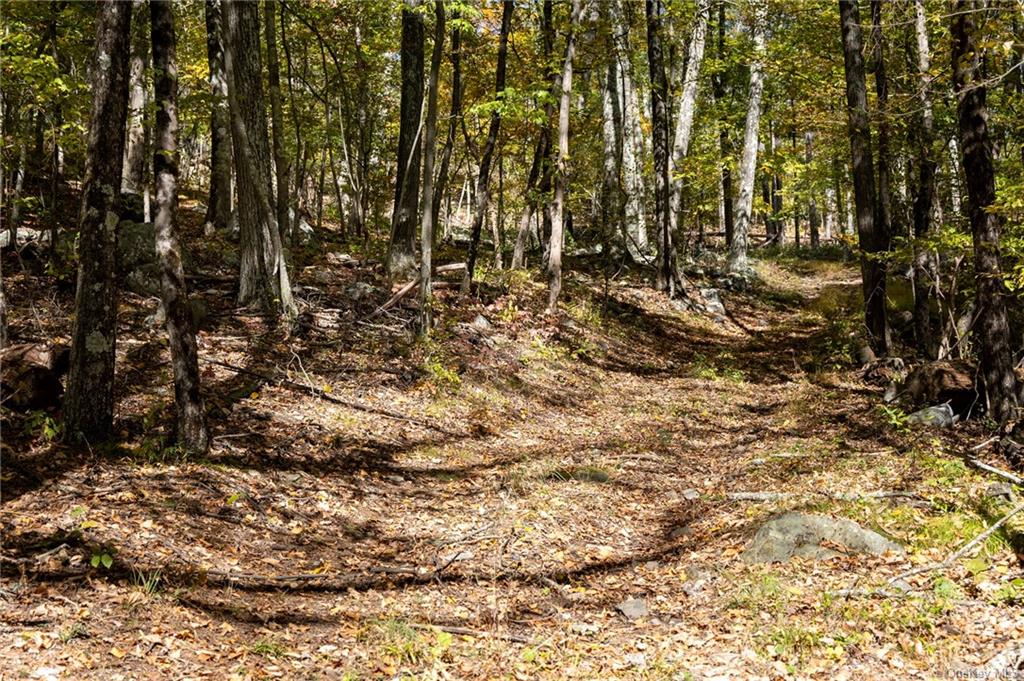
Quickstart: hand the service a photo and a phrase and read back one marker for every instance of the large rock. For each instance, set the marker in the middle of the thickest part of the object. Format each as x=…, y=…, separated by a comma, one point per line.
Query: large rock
x=136, y=258
x=30, y=375
x=133, y=207
x=801, y=534
x=943, y=381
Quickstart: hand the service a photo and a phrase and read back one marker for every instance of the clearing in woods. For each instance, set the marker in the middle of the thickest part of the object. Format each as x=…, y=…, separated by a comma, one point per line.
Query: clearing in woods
x=527, y=479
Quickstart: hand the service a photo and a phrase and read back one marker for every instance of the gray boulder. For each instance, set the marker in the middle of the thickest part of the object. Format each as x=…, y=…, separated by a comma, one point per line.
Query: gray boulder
x=713, y=301
x=801, y=534
x=136, y=245
x=939, y=416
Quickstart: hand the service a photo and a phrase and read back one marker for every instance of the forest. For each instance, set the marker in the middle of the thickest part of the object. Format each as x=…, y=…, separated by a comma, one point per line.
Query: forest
x=473, y=339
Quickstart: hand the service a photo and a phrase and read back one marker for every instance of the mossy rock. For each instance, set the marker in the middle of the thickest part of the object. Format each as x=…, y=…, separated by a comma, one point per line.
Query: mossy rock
x=580, y=474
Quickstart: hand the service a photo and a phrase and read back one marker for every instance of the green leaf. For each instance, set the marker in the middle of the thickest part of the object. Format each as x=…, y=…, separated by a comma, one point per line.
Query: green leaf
x=95, y=562
x=107, y=560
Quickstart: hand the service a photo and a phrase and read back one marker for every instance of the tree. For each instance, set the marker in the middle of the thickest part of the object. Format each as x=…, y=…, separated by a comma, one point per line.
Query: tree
x=191, y=413
x=133, y=178
x=401, y=259
x=427, y=230
x=748, y=161
x=873, y=242
x=276, y=117
x=884, y=205
x=561, y=170
x=483, y=192
x=924, y=194
x=89, y=401
x=542, y=147
x=687, y=106
x=719, y=83
x=263, y=278
x=992, y=324
x=218, y=207
x=454, y=119
x=665, y=266
x=633, y=135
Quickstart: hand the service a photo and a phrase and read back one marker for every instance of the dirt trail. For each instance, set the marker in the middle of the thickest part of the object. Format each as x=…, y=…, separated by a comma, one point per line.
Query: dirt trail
x=318, y=542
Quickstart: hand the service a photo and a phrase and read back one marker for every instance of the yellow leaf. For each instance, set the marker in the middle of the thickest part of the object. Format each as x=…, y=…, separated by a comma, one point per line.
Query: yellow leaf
x=117, y=652
x=254, y=396
x=327, y=388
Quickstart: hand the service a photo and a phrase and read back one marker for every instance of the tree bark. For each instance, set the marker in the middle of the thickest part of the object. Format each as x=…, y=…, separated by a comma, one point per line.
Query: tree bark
x=430, y=143
x=401, y=257
x=633, y=138
x=884, y=197
x=218, y=208
x=561, y=170
x=665, y=277
x=483, y=191
x=992, y=325
x=813, y=215
x=738, y=262
x=133, y=178
x=89, y=402
x=276, y=116
x=263, y=273
x=687, y=107
x=872, y=240
x=191, y=413
x=925, y=261
x=719, y=84
x=611, y=136
x=454, y=119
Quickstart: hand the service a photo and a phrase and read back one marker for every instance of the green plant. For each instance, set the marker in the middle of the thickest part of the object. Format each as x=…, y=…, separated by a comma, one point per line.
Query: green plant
x=72, y=631
x=41, y=424
x=267, y=648
x=101, y=557
x=894, y=417
x=148, y=581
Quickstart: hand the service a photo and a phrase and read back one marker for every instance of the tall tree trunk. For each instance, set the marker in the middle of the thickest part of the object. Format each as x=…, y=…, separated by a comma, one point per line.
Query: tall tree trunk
x=401, y=257
x=430, y=143
x=719, y=84
x=276, y=116
x=454, y=119
x=483, y=191
x=872, y=240
x=813, y=215
x=884, y=198
x=181, y=335
x=561, y=171
x=748, y=161
x=263, y=276
x=687, y=107
x=611, y=137
x=218, y=209
x=665, y=278
x=925, y=261
x=992, y=325
x=133, y=174
x=539, y=169
x=89, y=402
x=778, y=222
x=498, y=228
x=633, y=138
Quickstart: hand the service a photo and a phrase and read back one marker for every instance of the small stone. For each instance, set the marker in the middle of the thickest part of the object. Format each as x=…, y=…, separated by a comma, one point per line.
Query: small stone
x=1000, y=490
x=638, y=660
x=691, y=494
x=481, y=323
x=633, y=608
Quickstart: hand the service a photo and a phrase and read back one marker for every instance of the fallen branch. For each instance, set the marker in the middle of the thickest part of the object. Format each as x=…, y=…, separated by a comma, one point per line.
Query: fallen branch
x=351, y=404
x=981, y=465
x=406, y=289
x=840, y=496
x=463, y=631
x=963, y=550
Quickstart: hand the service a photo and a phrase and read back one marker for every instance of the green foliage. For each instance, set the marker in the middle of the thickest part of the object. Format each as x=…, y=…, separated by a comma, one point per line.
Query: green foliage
x=42, y=425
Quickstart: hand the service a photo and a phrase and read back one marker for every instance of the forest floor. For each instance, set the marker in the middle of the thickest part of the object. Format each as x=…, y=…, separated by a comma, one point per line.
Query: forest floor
x=483, y=503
